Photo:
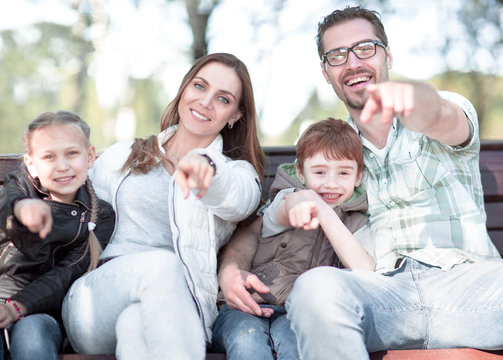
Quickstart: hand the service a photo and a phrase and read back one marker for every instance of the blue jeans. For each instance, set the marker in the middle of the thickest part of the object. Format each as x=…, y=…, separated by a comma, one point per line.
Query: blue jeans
x=243, y=336
x=342, y=314
x=137, y=306
x=36, y=336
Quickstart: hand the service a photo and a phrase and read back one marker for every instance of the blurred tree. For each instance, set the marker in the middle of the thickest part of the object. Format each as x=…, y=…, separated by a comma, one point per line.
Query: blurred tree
x=48, y=66
x=485, y=92
x=478, y=49
x=145, y=99
x=90, y=16
x=35, y=64
x=482, y=20
x=199, y=12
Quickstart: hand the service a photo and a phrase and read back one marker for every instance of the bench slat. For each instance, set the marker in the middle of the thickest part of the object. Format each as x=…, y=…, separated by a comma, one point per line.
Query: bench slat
x=491, y=169
x=430, y=354
x=437, y=354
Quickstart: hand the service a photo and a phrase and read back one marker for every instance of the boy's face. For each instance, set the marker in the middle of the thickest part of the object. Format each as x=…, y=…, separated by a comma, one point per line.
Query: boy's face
x=333, y=180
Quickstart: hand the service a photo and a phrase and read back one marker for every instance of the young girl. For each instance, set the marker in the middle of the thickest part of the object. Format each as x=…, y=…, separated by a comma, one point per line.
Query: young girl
x=52, y=220
x=178, y=197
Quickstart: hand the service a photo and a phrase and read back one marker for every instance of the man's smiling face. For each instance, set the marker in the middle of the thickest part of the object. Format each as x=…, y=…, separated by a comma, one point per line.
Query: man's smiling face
x=350, y=80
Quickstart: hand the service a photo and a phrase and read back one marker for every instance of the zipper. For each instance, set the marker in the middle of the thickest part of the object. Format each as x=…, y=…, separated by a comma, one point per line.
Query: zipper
x=81, y=222
x=177, y=245
x=9, y=245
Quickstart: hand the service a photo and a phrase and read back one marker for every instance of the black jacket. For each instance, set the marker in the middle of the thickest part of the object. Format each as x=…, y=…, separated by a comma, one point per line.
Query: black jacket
x=38, y=272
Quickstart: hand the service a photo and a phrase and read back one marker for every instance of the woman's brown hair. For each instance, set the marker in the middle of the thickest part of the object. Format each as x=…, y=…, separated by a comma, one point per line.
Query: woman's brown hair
x=239, y=142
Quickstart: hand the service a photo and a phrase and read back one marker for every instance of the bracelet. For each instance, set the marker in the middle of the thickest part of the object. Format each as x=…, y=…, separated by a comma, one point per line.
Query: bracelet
x=211, y=162
x=18, y=310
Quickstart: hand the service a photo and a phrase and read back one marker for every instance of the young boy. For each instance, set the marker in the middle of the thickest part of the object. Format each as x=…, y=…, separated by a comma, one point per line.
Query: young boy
x=317, y=218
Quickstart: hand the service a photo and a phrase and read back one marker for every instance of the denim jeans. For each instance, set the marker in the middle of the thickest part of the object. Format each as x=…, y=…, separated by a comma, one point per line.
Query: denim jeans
x=342, y=314
x=36, y=336
x=137, y=306
x=246, y=337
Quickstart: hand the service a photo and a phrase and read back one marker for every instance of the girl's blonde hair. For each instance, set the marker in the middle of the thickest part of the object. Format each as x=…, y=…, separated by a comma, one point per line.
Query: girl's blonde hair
x=69, y=118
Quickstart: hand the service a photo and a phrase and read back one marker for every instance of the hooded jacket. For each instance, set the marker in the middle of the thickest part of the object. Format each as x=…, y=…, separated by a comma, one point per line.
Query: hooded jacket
x=38, y=272
x=281, y=258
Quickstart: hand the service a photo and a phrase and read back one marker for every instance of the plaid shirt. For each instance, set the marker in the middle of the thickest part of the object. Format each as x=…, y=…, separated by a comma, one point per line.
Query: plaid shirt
x=426, y=199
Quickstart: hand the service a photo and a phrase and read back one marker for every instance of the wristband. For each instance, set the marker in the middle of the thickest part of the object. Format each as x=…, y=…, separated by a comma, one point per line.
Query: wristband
x=210, y=161
x=18, y=310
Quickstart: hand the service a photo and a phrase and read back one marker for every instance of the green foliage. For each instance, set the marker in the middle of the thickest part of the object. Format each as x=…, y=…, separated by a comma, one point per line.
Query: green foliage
x=485, y=93
x=47, y=66
x=46, y=69
x=148, y=102
x=33, y=66
x=314, y=111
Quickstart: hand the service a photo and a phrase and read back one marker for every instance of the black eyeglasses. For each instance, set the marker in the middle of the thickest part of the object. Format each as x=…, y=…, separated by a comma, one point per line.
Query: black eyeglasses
x=362, y=50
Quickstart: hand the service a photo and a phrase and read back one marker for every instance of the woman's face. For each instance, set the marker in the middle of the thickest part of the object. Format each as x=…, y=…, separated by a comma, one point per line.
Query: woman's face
x=210, y=101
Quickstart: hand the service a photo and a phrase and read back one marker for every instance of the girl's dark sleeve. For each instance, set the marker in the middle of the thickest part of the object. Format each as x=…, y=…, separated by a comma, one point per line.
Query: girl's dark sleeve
x=13, y=190
x=48, y=290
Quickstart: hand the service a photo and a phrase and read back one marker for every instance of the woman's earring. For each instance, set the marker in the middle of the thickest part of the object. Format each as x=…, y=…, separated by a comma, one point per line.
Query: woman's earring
x=230, y=125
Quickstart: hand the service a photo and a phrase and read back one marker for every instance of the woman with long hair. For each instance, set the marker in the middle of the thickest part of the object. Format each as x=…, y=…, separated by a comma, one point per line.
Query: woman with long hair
x=178, y=197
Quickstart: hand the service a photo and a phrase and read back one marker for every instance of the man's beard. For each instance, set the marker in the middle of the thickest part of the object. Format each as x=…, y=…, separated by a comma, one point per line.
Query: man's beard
x=356, y=103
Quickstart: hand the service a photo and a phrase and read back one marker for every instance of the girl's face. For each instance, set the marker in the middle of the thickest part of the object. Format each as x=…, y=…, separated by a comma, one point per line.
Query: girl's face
x=210, y=101
x=60, y=157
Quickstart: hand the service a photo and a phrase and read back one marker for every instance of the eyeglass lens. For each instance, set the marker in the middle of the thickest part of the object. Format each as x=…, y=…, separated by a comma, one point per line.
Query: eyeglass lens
x=362, y=50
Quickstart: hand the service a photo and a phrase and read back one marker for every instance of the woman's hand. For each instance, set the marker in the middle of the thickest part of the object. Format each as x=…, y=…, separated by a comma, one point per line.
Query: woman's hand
x=35, y=214
x=194, y=172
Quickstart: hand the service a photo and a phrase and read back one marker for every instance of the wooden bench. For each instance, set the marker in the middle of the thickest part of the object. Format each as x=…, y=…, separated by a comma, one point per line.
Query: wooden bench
x=491, y=167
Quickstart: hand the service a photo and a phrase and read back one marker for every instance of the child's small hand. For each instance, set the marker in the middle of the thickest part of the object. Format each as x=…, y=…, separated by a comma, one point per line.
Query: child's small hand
x=7, y=315
x=194, y=172
x=35, y=214
x=302, y=208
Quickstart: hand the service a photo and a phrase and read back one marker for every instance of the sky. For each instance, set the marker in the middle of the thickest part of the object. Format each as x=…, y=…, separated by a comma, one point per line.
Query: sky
x=279, y=50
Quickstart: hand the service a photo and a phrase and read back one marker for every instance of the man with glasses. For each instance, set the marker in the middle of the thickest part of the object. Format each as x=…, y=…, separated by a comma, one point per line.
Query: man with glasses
x=438, y=276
